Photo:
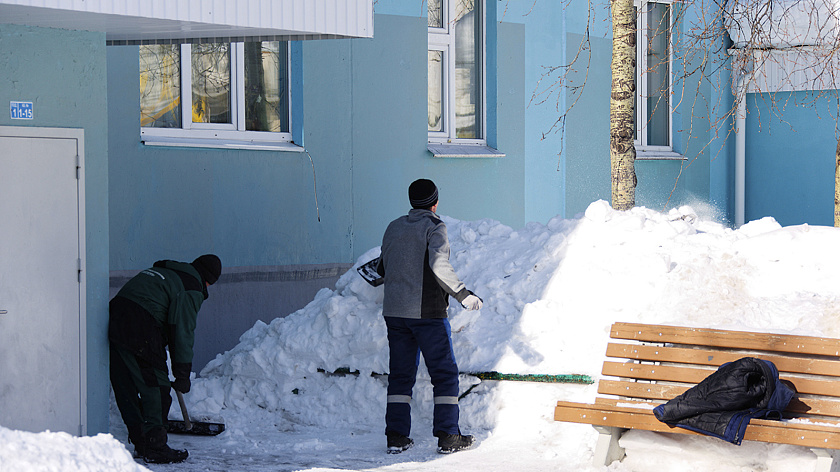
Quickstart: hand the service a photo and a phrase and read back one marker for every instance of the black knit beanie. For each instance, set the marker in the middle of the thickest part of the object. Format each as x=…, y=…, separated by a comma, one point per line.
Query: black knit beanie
x=422, y=193
x=209, y=266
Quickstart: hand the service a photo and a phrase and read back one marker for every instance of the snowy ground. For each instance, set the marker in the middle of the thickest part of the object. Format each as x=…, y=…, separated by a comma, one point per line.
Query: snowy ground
x=550, y=294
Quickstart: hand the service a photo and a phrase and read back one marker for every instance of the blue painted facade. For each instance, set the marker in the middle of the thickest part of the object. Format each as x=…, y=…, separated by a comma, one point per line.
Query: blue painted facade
x=360, y=115
x=63, y=73
x=364, y=126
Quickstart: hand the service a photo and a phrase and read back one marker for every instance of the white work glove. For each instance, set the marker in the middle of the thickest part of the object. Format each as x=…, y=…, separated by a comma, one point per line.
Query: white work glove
x=472, y=302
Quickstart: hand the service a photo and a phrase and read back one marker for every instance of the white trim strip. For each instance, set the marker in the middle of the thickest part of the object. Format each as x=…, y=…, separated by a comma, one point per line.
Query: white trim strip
x=446, y=400
x=399, y=399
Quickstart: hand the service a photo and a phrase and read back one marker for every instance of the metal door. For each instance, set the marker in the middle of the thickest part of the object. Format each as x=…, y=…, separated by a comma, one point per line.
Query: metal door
x=42, y=322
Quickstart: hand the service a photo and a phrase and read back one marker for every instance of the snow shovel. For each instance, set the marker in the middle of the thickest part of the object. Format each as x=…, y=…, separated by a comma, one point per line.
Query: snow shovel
x=186, y=426
x=368, y=272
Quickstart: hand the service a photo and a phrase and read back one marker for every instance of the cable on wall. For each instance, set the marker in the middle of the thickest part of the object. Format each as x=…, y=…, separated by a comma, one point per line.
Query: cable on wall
x=315, y=186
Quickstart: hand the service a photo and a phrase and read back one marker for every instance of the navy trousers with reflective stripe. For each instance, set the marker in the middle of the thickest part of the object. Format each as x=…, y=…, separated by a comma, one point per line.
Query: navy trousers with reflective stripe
x=407, y=338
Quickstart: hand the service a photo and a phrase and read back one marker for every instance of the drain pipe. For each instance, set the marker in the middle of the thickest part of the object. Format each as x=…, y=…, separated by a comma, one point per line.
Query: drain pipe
x=740, y=151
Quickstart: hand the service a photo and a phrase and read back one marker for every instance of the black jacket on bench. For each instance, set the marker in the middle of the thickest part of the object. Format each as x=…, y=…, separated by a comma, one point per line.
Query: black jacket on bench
x=724, y=402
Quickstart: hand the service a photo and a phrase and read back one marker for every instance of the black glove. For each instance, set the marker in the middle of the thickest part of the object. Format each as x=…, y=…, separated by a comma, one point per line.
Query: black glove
x=181, y=372
x=181, y=384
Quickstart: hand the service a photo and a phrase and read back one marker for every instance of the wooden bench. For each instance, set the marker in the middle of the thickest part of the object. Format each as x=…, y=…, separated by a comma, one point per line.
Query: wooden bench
x=661, y=362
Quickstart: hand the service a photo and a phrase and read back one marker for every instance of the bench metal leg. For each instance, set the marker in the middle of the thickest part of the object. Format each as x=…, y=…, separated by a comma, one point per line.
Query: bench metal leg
x=607, y=449
x=826, y=461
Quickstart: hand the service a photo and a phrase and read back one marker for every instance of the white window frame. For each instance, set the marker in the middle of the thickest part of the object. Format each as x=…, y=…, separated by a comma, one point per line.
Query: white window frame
x=641, y=82
x=443, y=39
x=226, y=135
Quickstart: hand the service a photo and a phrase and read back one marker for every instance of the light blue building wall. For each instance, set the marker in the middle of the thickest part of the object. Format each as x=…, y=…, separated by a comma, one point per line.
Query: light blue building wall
x=63, y=74
x=580, y=35
x=363, y=123
x=360, y=115
x=537, y=34
x=389, y=130
x=249, y=207
x=568, y=167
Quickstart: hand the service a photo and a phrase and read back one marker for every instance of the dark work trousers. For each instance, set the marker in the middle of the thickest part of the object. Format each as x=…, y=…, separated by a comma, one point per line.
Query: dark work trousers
x=407, y=338
x=142, y=392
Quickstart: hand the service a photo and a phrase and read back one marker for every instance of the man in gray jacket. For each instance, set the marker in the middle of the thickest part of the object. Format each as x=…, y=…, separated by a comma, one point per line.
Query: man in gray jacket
x=418, y=283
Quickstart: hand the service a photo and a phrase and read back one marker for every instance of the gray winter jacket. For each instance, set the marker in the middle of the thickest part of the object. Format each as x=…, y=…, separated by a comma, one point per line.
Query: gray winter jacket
x=415, y=264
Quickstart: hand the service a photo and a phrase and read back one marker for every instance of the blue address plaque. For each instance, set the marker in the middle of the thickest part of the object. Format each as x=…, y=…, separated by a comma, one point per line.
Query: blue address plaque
x=21, y=110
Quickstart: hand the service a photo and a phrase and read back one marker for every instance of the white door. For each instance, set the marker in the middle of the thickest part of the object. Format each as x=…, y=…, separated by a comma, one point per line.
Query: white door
x=42, y=322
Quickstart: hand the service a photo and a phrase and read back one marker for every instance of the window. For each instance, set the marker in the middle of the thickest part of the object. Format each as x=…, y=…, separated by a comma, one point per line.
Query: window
x=456, y=72
x=653, y=76
x=233, y=93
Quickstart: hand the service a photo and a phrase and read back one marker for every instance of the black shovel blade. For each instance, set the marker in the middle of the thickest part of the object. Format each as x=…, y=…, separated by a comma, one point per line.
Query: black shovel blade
x=368, y=272
x=199, y=428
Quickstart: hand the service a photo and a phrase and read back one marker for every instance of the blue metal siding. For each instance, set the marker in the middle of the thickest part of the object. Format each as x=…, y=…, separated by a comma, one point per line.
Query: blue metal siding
x=790, y=158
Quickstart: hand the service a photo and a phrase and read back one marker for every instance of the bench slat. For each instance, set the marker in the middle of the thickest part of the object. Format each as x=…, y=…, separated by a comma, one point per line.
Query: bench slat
x=728, y=339
x=816, y=424
x=715, y=358
x=678, y=358
x=758, y=430
x=665, y=392
x=672, y=373
x=647, y=391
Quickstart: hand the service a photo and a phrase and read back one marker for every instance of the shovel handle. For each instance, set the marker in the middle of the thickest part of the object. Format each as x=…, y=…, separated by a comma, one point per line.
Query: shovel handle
x=187, y=423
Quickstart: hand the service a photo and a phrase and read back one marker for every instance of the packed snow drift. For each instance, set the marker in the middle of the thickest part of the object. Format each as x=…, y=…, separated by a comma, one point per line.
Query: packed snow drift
x=307, y=391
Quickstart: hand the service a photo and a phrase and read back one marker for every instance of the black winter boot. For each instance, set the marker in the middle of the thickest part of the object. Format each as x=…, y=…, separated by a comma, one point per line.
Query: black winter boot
x=449, y=443
x=158, y=452
x=136, y=437
x=398, y=443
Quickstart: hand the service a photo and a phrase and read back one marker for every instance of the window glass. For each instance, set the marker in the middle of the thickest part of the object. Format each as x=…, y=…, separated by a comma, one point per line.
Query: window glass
x=456, y=74
x=266, y=86
x=658, y=74
x=229, y=92
x=435, y=14
x=160, y=86
x=435, y=90
x=211, y=83
x=467, y=36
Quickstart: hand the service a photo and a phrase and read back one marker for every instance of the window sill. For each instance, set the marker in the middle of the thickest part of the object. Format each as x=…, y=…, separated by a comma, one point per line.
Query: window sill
x=651, y=155
x=220, y=144
x=463, y=151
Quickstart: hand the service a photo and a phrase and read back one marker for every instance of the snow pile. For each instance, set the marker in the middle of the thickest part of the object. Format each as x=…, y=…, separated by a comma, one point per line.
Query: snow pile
x=52, y=452
x=550, y=294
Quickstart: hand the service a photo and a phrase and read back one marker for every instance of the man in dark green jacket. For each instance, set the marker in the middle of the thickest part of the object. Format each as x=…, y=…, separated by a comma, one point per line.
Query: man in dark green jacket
x=154, y=310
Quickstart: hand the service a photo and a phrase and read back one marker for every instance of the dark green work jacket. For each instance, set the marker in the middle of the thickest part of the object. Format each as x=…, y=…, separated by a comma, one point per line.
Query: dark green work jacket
x=157, y=308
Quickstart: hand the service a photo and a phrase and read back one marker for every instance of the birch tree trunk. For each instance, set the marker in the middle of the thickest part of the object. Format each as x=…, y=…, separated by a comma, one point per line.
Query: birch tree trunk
x=622, y=150
x=837, y=186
